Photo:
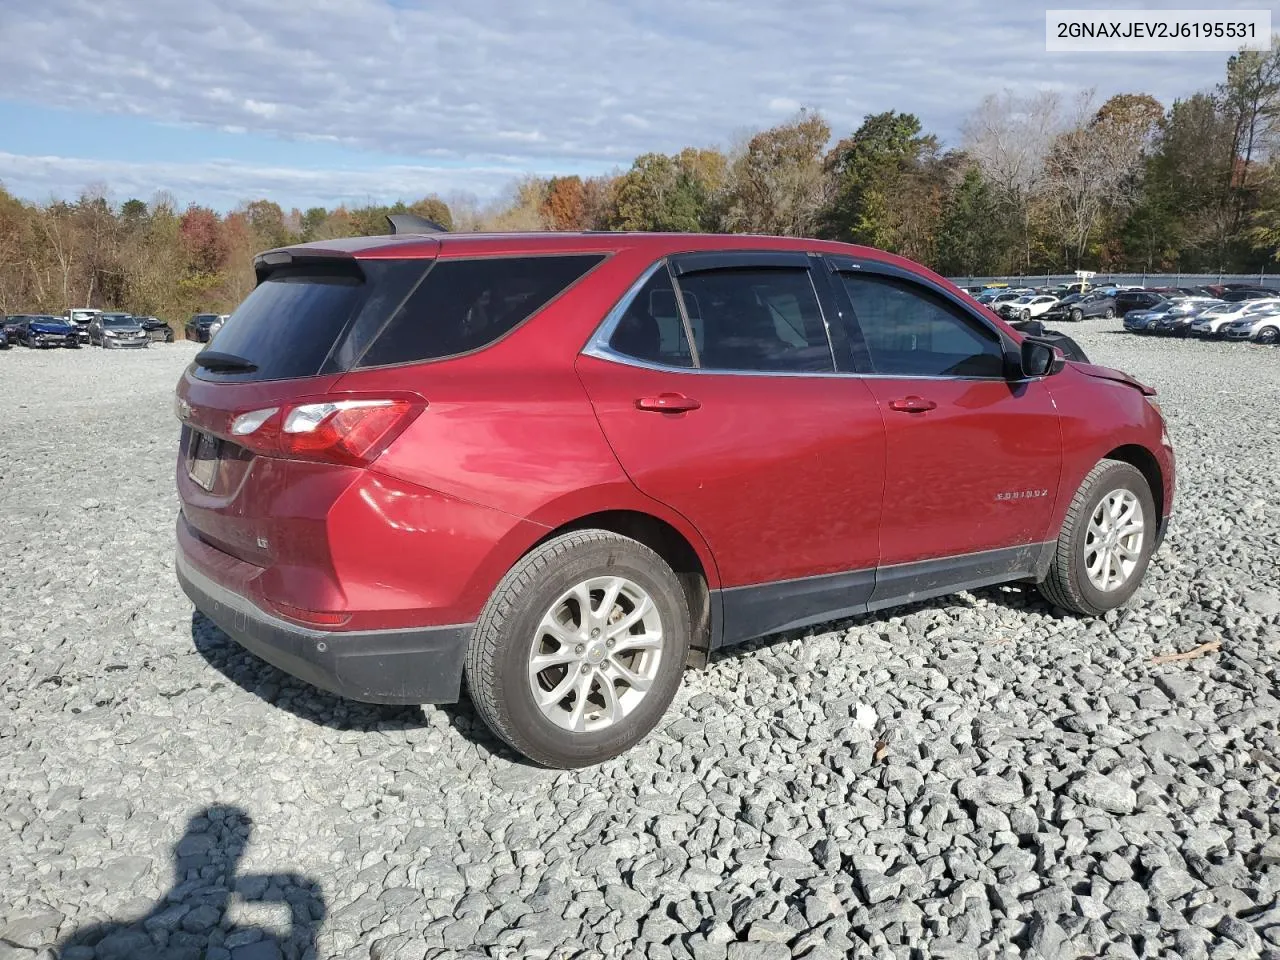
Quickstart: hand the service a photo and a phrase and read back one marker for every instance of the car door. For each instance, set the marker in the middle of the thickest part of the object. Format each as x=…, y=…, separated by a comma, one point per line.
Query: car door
x=973, y=459
x=728, y=404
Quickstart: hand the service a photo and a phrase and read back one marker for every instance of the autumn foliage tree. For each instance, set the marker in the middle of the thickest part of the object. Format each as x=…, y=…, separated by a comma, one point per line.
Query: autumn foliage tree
x=1032, y=187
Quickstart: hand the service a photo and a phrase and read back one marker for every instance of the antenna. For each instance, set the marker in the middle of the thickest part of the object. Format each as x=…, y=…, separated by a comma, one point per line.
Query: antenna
x=412, y=223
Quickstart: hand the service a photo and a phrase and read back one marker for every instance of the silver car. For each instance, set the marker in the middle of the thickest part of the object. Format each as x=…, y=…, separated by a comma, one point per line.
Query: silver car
x=1261, y=327
x=1214, y=322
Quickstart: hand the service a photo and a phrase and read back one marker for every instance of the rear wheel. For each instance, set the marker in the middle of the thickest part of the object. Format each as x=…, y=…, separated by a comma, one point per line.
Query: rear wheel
x=1105, y=543
x=1109, y=313
x=580, y=650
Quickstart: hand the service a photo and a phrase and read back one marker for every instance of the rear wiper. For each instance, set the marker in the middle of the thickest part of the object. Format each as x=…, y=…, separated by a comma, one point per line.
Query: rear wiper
x=213, y=360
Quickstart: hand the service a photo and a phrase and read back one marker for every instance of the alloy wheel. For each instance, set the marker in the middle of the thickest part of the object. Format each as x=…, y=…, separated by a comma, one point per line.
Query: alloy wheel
x=1113, y=540
x=596, y=654
x=1268, y=335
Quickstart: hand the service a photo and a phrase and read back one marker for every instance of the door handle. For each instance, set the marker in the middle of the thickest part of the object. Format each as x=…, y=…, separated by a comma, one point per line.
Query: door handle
x=668, y=403
x=912, y=404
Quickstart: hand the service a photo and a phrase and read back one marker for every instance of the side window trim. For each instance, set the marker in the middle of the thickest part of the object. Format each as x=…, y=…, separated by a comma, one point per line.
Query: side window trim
x=683, y=310
x=706, y=260
x=853, y=357
x=849, y=266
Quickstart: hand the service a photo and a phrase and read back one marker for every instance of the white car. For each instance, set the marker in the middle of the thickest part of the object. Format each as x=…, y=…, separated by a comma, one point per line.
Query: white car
x=1024, y=308
x=1260, y=326
x=1214, y=321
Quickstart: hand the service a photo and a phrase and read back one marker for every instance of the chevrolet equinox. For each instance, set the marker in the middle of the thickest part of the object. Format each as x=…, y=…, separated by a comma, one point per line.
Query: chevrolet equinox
x=565, y=466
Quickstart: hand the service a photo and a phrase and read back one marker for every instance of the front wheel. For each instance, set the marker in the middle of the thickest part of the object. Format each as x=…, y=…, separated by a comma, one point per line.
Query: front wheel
x=1106, y=541
x=1268, y=335
x=1076, y=316
x=1026, y=314
x=580, y=650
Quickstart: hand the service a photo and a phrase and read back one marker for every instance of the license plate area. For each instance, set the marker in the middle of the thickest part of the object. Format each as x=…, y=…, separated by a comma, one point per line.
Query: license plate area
x=203, y=456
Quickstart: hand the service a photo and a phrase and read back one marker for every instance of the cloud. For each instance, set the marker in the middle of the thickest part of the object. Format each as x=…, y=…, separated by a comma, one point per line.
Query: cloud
x=224, y=184
x=573, y=84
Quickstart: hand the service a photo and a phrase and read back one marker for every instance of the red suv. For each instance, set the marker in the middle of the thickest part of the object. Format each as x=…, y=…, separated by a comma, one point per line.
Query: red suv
x=567, y=465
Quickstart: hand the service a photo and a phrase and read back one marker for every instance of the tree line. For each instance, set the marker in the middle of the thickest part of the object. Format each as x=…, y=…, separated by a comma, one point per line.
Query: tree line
x=1037, y=184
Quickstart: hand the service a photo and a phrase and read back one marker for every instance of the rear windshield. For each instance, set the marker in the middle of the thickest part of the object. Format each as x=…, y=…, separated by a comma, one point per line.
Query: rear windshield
x=307, y=320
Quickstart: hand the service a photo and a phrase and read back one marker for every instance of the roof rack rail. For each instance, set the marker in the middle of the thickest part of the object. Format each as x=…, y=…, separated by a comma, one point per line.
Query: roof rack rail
x=412, y=223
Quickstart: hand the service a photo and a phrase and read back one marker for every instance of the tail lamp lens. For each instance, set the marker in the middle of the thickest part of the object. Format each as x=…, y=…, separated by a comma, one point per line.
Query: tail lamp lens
x=353, y=431
x=247, y=423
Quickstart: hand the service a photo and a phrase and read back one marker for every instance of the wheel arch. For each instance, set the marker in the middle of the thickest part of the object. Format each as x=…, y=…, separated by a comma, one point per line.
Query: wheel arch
x=1146, y=463
x=676, y=550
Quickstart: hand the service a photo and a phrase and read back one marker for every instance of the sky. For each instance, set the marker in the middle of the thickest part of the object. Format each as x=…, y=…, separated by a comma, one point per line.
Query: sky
x=321, y=102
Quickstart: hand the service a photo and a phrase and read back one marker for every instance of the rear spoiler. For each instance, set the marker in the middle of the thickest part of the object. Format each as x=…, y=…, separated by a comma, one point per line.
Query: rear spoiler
x=412, y=223
x=264, y=264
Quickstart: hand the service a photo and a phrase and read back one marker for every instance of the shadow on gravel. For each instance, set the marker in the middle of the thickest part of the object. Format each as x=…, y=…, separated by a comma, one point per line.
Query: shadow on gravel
x=326, y=709
x=289, y=693
x=187, y=923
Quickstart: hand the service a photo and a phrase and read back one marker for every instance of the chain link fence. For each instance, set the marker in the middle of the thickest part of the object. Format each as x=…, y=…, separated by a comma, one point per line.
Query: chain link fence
x=1125, y=279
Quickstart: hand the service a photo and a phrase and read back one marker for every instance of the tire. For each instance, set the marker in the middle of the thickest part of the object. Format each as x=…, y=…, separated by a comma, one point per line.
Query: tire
x=498, y=658
x=1267, y=335
x=1026, y=314
x=1109, y=314
x=1068, y=584
x=1076, y=316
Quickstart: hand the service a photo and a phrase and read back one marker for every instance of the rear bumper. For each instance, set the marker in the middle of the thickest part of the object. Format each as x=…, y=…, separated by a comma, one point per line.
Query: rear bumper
x=381, y=666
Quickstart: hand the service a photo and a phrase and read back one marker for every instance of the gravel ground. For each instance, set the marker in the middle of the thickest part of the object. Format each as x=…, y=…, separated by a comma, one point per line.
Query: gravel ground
x=1031, y=783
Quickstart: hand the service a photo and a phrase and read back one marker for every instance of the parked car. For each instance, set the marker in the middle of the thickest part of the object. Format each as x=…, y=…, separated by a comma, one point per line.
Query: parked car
x=1024, y=308
x=1127, y=300
x=1238, y=294
x=4, y=338
x=80, y=318
x=197, y=328
x=157, y=330
x=993, y=298
x=39, y=331
x=1077, y=306
x=217, y=325
x=380, y=505
x=1177, y=320
x=117, y=331
x=10, y=325
x=1262, y=327
x=1213, y=322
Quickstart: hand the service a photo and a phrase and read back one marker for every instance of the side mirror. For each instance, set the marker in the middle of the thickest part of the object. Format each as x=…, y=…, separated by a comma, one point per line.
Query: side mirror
x=1040, y=358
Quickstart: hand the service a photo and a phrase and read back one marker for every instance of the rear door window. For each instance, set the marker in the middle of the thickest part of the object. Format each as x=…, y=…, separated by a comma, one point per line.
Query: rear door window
x=757, y=319
x=463, y=305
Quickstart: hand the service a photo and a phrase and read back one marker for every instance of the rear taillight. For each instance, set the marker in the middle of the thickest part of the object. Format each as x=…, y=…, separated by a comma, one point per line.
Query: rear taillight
x=350, y=430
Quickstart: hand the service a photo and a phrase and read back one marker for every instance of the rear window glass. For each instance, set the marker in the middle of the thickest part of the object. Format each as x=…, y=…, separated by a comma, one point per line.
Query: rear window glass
x=332, y=317
x=462, y=305
x=288, y=325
